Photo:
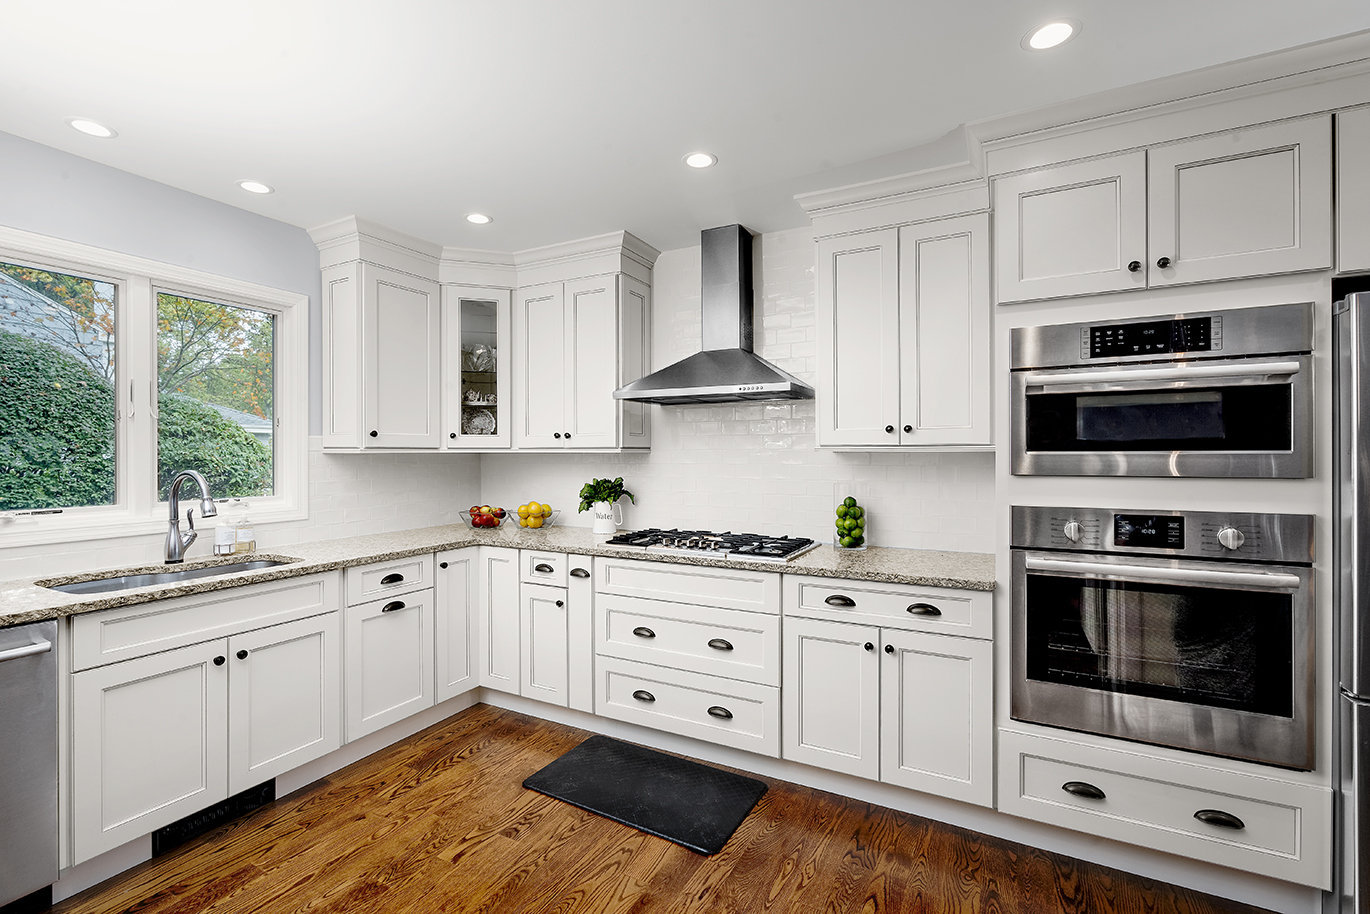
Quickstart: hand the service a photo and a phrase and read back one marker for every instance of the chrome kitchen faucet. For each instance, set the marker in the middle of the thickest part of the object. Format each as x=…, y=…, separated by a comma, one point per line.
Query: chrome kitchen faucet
x=176, y=544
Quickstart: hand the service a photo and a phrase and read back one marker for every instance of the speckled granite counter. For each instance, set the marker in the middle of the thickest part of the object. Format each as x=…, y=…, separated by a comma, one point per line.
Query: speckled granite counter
x=25, y=601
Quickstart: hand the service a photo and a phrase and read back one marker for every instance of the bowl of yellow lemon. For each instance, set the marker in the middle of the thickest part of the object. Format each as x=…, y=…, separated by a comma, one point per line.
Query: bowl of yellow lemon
x=536, y=515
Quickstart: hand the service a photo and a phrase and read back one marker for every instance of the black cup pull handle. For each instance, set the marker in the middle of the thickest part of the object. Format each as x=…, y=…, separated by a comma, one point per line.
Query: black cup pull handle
x=643, y=631
x=1219, y=818
x=242, y=655
x=719, y=644
x=391, y=607
x=542, y=568
x=392, y=578
x=579, y=573
x=644, y=695
x=720, y=712
x=838, y=600
x=220, y=660
x=1082, y=789
x=924, y=609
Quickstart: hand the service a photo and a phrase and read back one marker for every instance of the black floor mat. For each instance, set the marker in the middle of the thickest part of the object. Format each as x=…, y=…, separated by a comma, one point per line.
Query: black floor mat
x=672, y=798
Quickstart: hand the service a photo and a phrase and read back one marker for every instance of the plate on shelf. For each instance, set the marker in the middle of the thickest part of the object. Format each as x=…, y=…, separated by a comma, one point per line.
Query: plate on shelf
x=478, y=422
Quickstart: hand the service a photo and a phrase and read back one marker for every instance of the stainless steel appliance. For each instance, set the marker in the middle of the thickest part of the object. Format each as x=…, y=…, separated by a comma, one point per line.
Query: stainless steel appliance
x=28, y=759
x=1180, y=628
x=751, y=546
x=1220, y=393
x=1351, y=343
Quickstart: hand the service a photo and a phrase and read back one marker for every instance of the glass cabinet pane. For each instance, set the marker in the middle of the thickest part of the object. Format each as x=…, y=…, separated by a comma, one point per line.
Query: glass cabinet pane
x=480, y=393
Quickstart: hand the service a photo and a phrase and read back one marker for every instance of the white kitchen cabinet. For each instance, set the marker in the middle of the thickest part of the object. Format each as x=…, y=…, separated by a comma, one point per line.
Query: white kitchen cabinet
x=576, y=342
x=497, y=619
x=476, y=347
x=456, y=594
x=381, y=358
x=389, y=671
x=1353, y=191
x=830, y=695
x=580, y=634
x=904, y=336
x=543, y=643
x=158, y=737
x=1256, y=201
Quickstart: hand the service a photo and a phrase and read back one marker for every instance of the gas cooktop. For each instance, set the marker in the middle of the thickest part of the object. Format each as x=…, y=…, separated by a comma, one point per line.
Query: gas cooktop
x=749, y=546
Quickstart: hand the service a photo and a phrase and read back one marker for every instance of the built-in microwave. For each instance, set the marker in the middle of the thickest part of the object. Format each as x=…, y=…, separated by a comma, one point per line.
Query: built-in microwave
x=1212, y=394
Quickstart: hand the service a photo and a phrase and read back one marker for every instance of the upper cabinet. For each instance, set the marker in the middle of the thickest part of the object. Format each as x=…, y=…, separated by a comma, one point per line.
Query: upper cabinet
x=475, y=367
x=1353, y=191
x=576, y=341
x=1250, y=202
x=904, y=335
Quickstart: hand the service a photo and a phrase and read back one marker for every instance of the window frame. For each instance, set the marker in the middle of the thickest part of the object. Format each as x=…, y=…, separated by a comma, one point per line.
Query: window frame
x=137, y=281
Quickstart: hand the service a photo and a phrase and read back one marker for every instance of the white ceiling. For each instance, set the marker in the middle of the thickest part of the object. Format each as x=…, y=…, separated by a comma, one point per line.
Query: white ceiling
x=568, y=118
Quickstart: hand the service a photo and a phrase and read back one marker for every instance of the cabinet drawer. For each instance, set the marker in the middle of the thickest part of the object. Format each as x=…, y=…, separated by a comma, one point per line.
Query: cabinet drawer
x=134, y=631
x=730, y=588
x=968, y=613
x=384, y=579
x=744, y=715
x=704, y=639
x=537, y=566
x=1285, y=827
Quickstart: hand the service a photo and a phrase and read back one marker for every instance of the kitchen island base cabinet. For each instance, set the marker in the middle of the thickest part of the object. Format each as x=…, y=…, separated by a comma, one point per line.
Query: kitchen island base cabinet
x=390, y=650
x=159, y=737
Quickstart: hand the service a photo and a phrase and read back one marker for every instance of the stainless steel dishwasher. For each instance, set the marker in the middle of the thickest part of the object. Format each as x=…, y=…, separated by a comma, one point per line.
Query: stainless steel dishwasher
x=28, y=759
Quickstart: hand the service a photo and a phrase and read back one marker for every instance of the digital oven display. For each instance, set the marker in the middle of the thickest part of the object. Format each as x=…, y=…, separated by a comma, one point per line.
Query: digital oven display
x=1155, y=531
x=1193, y=334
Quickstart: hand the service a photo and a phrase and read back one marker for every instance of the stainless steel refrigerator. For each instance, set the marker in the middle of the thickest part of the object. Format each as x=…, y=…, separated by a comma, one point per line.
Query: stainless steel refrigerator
x=1351, y=343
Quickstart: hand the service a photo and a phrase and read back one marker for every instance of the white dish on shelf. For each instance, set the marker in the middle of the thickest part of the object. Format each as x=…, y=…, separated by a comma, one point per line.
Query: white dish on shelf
x=478, y=422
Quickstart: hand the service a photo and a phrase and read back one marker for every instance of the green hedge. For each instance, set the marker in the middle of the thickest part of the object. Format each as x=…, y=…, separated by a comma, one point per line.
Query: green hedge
x=192, y=436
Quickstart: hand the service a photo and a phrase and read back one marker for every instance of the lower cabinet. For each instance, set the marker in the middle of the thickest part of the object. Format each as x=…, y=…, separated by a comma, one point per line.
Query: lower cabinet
x=158, y=737
x=543, y=661
x=456, y=594
x=497, y=619
x=389, y=649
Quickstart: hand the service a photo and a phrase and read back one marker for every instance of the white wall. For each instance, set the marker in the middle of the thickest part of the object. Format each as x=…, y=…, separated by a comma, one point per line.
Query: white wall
x=754, y=467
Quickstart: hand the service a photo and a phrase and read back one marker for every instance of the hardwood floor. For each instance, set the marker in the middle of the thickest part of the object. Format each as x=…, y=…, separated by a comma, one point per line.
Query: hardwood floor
x=441, y=823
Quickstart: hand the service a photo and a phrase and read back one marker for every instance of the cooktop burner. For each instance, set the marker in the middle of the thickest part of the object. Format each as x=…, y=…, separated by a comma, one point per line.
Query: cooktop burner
x=752, y=546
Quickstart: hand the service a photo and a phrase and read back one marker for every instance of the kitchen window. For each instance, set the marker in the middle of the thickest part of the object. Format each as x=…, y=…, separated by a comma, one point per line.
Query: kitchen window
x=118, y=372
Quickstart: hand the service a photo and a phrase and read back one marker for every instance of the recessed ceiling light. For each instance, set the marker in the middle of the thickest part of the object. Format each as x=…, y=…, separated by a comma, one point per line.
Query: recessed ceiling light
x=700, y=160
x=256, y=187
x=91, y=128
x=1051, y=35
x=478, y=219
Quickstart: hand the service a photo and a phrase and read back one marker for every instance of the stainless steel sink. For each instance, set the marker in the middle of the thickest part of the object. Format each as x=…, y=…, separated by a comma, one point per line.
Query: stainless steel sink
x=129, y=581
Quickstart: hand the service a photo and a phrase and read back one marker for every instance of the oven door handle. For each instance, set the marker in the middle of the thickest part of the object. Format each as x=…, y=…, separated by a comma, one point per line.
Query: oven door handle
x=1262, y=580
x=1084, y=378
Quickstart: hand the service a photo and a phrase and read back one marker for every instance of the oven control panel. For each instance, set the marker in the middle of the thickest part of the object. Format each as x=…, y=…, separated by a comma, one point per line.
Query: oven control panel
x=1194, y=334
x=1285, y=538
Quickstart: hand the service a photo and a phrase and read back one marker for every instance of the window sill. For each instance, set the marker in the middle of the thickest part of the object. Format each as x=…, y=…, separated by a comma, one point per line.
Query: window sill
x=47, y=530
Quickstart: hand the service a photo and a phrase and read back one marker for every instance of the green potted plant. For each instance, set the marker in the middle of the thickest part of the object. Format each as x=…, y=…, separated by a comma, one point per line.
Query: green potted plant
x=600, y=496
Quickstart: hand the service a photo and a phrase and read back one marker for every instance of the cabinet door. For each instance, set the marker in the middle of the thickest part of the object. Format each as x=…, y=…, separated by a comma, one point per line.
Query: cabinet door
x=476, y=346
x=1250, y=202
x=1071, y=230
x=634, y=358
x=858, y=339
x=937, y=715
x=149, y=744
x=456, y=594
x=944, y=338
x=284, y=698
x=580, y=634
x=542, y=620
x=540, y=337
x=592, y=359
x=400, y=359
x=389, y=661
x=342, y=356
x=830, y=694
x=497, y=619
x=1353, y=191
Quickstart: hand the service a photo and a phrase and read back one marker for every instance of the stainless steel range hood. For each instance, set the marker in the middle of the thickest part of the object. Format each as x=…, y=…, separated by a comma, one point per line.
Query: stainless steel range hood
x=727, y=370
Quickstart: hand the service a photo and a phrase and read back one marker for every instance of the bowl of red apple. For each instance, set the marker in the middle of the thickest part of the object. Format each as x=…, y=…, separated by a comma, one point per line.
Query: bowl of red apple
x=481, y=517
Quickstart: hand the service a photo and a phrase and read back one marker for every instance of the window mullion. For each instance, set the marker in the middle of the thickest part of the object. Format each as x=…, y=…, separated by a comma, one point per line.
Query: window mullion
x=137, y=471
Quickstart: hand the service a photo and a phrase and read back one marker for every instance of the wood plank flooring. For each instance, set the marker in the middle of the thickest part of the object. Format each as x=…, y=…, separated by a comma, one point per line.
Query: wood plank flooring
x=440, y=822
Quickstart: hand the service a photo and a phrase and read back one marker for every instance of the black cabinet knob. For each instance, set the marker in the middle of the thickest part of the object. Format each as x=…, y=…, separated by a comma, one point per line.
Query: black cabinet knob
x=889, y=429
x=220, y=661
x=568, y=436
x=451, y=434
x=374, y=433
x=1135, y=266
x=720, y=712
x=1163, y=262
x=870, y=646
x=908, y=428
x=889, y=649
x=561, y=602
x=242, y=655
x=1219, y=818
x=644, y=695
x=442, y=564
x=1083, y=789
x=556, y=434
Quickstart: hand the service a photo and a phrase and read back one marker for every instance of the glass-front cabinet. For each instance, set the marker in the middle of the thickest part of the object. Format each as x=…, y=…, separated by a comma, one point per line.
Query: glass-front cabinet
x=475, y=328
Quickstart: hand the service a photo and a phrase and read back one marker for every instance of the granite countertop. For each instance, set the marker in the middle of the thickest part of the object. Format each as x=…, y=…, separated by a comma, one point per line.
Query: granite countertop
x=25, y=600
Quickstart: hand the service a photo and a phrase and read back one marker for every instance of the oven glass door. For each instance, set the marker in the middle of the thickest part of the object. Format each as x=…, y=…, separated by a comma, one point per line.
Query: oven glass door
x=1176, y=653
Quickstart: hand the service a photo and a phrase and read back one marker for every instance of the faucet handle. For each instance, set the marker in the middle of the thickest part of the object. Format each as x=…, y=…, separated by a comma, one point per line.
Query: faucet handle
x=190, y=517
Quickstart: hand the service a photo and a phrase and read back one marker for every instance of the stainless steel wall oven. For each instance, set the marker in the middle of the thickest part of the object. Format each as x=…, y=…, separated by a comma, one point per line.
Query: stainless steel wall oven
x=1185, y=629
x=1219, y=393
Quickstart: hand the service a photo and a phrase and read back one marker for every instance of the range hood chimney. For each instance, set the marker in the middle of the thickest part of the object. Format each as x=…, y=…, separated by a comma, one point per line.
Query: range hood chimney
x=727, y=371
